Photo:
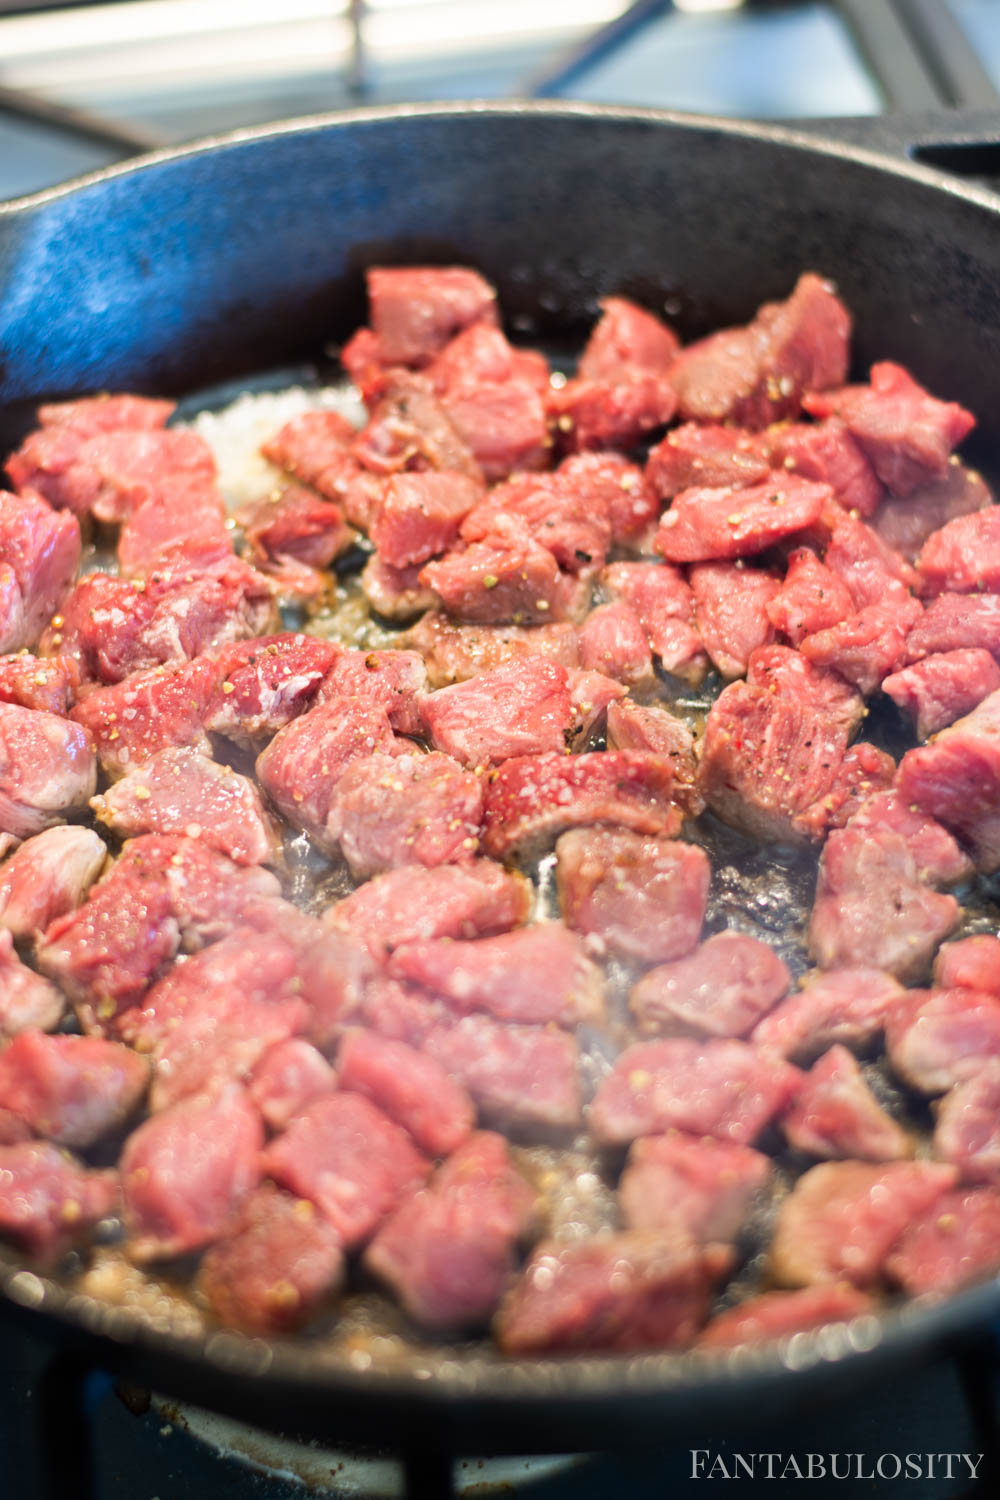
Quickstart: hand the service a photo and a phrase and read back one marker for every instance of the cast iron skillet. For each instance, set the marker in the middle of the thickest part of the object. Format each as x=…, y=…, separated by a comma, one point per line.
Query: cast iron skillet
x=246, y=253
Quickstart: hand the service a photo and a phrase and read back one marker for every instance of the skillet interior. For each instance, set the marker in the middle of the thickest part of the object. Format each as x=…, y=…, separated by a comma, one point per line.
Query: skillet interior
x=247, y=253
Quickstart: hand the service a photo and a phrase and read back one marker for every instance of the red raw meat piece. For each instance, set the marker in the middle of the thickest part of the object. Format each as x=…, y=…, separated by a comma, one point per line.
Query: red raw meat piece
x=48, y=1200
x=703, y=524
x=71, y=1089
x=826, y=452
x=420, y=516
x=415, y=310
x=34, y=683
x=700, y=455
x=290, y=1075
x=332, y=970
x=731, y=610
x=722, y=989
x=842, y=1219
x=501, y=421
x=955, y=1243
x=389, y=811
x=608, y=481
x=964, y=556
x=755, y=375
x=570, y=519
x=391, y=679
x=906, y=522
x=275, y=1267
x=627, y=337
x=109, y=471
x=131, y=721
x=636, y=726
x=957, y=780
x=521, y=1077
x=954, y=622
x=777, y=1315
x=39, y=556
x=447, y=1252
x=265, y=683
x=183, y=791
x=301, y=767
x=726, y=1089
x=532, y=798
x=410, y=429
x=811, y=598
x=293, y=535
x=643, y=898
x=971, y=964
x=639, y=1290
x=209, y=894
x=535, y=974
x=507, y=577
x=107, y=413
x=216, y=1046
x=968, y=1126
x=48, y=770
x=872, y=572
x=614, y=412
x=866, y=647
x=400, y=1011
x=186, y=1170
x=521, y=708
x=27, y=1001
x=940, y=688
x=844, y=1005
x=940, y=862
x=316, y=449
x=591, y=694
x=454, y=653
x=409, y=1087
x=187, y=529
x=700, y=1186
x=938, y=1038
x=481, y=355
x=835, y=1114
x=906, y=434
x=613, y=641
x=395, y=593
x=349, y=1159
x=48, y=876
x=664, y=602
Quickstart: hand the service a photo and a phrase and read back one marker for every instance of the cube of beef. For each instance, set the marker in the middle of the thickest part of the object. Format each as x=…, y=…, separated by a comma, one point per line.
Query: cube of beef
x=940, y=861
x=350, y=1160
x=392, y=810
x=506, y=577
x=964, y=556
x=415, y=310
x=392, y=679
x=454, y=653
x=954, y=622
x=332, y=970
x=700, y=1186
x=34, y=683
x=107, y=413
x=537, y=974
x=501, y=421
x=731, y=611
x=274, y=1267
x=293, y=535
x=905, y=432
x=936, y=1039
x=71, y=1089
x=395, y=593
x=523, y=1078
x=27, y=1001
x=183, y=791
x=532, y=798
x=636, y=726
x=639, y=1290
x=967, y=1132
x=447, y=1252
x=905, y=522
x=48, y=1200
x=842, y=1219
x=943, y=687
x=664, y=603
x=48, y=769
x=39, y=555
x=872, y=571
x=625, y=338
x=607, y=481
x=408, y=1086
x=957, y=780
x=844, y=1005
x=400, y=1011
x=777, y=1315
x=186, y=529
x=420, y=516
x=706, y=455
x=47, y=877
x=836, y=1115
x=264, y=683
x=131, y=721
x=725, y=1089
x=288, y=1076
x=409, y=429
x=185, y=1171
x=613, y=641
x=617, y=411
x=866, y=647
x=522, y=708
x=812, y=598
x=108, y=471
x=826, y=452
x=951, y=1245
x=481, y=355
x=722, y=989
x=971, y=964
x=643, y=898
x=703, y=524
x=209, y=894
x=315, y=449
x=569, y=519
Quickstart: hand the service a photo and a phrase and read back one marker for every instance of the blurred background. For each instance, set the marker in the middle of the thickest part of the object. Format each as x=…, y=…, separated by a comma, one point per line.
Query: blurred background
x=83, y=85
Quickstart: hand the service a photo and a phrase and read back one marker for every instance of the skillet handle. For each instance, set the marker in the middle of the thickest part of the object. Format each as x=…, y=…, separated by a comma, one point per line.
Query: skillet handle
x=963, y=142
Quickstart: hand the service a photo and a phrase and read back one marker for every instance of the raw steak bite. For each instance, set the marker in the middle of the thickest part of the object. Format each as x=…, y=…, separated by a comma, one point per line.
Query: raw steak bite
x=454, y=653
x=731, y=610
x=957, y=780
x=420, y=516
x=954, y=1243
x=637, y=726
x=971, y=964
x=274, y=1267
x=332, y=971
x=409, y=429
x=290, y=1075
x=315, y=448
x=722, y=989
x=183, y=791
x=968, y=1126
x=293, y=534
x=209, y=894
x=107, y=412
x=536, y=974
x=614, y=412
x=704, y=524
x=608, y=481
x=27, y=1001
x=644, y=898
x=393, y=680
x=705, y=455
x=414, y=904
x=447, y=1252
x=71, y=1089
x=265, y=683
x=613, y=641
x=531, y=798
x=501, y=420
x=867, y=646
x=954, y=622
x=36, y=683
x=190, y=531
x=842, y=1219
x=812, y=598
x=186, y=1170
x=638, y=1290
x=47, y=877
x=964, y=556
x=906, y=522
x=941, y=688
x=405, y=809
x=48, y=1200
x=702, y=1187
x=130, y=721
x=409, y=1087
x=110, y=470
x=416, y=310
x=524, y=1078
x=872, y=572
x=937, y=1038
x=826, y=452
x=844, y=1005
x=725, y=1089
x=39, y=556
x=522, y=708
x=48, y=770
x=505, y=576
x=835, y=1114
x=396, y=594
x=349, y=1159
x=664, y=604
x=940, y=861
x=778, y=1315
x=626, y=337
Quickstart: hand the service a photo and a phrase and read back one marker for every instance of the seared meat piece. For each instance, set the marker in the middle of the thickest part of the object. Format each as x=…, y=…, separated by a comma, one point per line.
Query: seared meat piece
x=608, y=480
x=35, y=683
x=47, y=769
x=293, y=535
x=274, y=1267
x=391, y=679
x=420, y=516
x=777, y=1315
x=664, y=603
x=454, y=653
x=968, y=1126
x=315, y=448
x=844, y=1005
x=266, y=682
x=705, y=455
x=109, y=471
x=290, y=1075
x=722, y=989
x=447, y=1251
x=644, y=898
x=186, y=529
x=39, y=555
x=727, y=1089
x=49, y=1200
x=826, y=452
x=872, y=571
x=731, y=611
x=937, y=1038
x=812, y=598
x=971, y=964
x=701, y=1187
x=48, y=876
x=403, y=809
x=107, y=413
x=415, y=310
x=634, y=726
x=626, y=337
x=613, y=641
x=835, y=1114
x=704, y=524
x=505, y=576
x=521, y=708
x=941, y=688
x=940, y=861
x=521, y=1077
x=409, y=1087
x=570, y=520
x=842, y=1219
x=952, y=1244
x=395, y=593
x=906, y=522
x=27, y=1001
x=71, y=1089
x=964, y=556
x=957, y=781
x=865, y=647
x=409, y=429
x=617, y=411
x=502, y=420
x=130, y=721
x=953, y=622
